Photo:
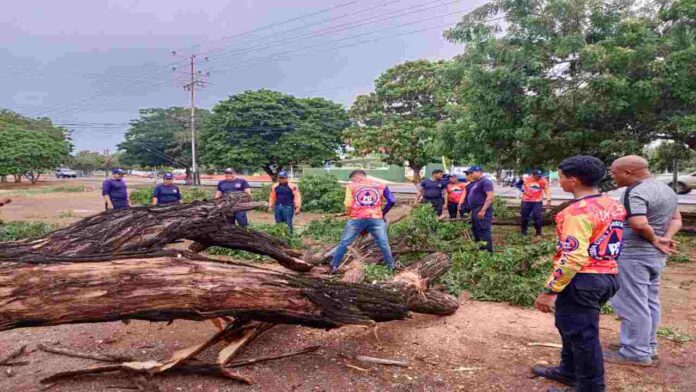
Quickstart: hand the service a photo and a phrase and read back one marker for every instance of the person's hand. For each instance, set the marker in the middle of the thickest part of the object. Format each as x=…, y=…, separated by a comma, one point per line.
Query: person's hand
x=270, y=209
x=481, y=214
x=297, y=210
x=545, y=302
x=666, y=245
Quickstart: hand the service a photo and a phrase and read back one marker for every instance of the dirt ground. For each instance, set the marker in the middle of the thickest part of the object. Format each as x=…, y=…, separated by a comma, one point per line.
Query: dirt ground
x=483, y=347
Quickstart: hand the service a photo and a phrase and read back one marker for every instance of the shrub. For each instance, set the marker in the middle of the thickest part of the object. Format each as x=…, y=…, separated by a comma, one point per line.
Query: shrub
x=143, y=196
x=263, y=193
x=327, y=230
x=377, y=273
x=18, y=230
x=501, y=209
x=321, y=193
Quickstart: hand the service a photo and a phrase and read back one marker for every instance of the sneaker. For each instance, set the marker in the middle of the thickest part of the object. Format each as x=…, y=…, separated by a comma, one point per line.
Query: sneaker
x=552, y=373
x=614, y=356
x=615, y=346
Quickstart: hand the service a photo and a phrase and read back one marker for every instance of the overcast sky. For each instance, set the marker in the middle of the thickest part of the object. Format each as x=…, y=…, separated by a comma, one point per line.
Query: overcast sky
x=95, y=63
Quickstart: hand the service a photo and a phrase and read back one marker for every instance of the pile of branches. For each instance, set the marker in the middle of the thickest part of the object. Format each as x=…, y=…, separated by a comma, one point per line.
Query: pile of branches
x=121, y=265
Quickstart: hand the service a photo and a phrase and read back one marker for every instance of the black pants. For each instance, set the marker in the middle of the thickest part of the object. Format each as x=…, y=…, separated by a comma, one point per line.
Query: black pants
x=453, y=209
x=535, y=210
x=482, y=228
x=577, y=320
x=436, y=203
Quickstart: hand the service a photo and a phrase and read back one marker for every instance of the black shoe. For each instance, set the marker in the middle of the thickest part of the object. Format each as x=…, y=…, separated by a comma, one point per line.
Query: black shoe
x=552, y=373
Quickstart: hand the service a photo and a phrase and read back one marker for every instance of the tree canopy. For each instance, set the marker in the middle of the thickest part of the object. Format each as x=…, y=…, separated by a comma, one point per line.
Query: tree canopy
x=594, y=77
x=160, y=137
x=400, y=119
x=272, y=131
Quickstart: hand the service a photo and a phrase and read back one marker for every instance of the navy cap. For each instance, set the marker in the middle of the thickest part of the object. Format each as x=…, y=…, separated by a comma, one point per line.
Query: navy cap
x=474, y=169
x=283, y=174
x=230, y=170
x=168, y=176
x=117, y=170
x=537, y=172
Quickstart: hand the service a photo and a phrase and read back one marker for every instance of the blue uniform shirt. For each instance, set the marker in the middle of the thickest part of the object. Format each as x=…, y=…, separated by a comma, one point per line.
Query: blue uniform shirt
x=284, y=195
x=432, y=189
x=237, y=185
x=476, y=192
x=166, y=194
x=389, y=199
x=116, y=190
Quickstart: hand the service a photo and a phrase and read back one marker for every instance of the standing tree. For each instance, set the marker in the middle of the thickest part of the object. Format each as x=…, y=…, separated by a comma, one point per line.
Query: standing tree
x=88, y=161
x=271, y=130
x=560, y=78
x=30, y=153
x=400, y=119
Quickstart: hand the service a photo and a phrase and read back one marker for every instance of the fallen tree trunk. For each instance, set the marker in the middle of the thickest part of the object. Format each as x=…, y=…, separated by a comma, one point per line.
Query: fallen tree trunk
x=167, y=288
x=146, y=231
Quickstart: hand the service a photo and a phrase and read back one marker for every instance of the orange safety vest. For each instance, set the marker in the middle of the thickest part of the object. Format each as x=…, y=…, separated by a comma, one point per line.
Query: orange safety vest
x=455, y=192
x=533, y=190
x=364, y=199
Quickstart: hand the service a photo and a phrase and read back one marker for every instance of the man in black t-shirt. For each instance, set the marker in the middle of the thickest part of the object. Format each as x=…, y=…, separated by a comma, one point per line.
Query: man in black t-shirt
x=431, y=191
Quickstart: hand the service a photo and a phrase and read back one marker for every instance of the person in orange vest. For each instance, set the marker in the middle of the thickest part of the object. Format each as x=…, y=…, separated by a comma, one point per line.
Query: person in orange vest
x=533, y=188
x=285, y=200
x=455, y=193
x=364, y=206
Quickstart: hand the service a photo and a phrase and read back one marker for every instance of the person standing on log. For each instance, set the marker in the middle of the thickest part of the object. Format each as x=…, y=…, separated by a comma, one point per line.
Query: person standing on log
x=363, y=203
x=479, y=199
x=285, y=200
x=455, y=192
x=431, y=191
x=589, y=235
x=115, y=191
x=166, y=193
x=230, y=184
x=533, y=189
x=652, y=221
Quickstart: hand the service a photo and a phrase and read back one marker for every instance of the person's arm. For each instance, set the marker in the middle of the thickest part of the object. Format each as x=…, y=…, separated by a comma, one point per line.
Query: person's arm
x=637, y=210
x=218, y=192
x=419, y=193
x=574, y=241
x=247, y=188
x=461, y=199
x=547, y=192
x=490, y=195
x=178, y=194
x=674, y=226
x=297, y=198
x=155, y=195
x=106, y=188
x=272, y=198
x=390, y=200
x=348, y=200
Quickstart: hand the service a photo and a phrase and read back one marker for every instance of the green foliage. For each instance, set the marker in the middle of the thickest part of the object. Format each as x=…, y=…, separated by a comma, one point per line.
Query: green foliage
x=321, y=193
x=263, y=193
x=18, y=230
x=143, y=196
x=501, y=209
x=49, y=189
x=327, y=230
x=30, y=152
x=160, y=137
x=88, y=161
x=271, y=130
x=675, y=335
x=662, y=157
x=277, y=230
x=399, y=120
x=375, y=273
x=686, y=244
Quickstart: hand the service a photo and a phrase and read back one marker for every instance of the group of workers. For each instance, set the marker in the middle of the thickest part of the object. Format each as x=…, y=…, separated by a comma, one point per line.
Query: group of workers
x=606, y=250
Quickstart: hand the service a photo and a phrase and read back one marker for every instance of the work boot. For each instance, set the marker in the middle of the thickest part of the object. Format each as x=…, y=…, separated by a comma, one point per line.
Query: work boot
x=615, y=356
x=552, y=373
x=615, y=347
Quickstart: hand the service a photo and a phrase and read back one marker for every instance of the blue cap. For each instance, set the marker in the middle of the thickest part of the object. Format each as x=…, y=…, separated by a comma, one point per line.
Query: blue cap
x=537, y=172
x=283, y=174
x=117, y=170
x=168, y=176
x=230, y=170
x=474, y=169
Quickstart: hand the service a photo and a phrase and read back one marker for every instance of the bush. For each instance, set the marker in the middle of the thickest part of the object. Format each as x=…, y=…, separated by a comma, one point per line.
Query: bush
x=501, y=209
x=327, y=230
x=14, y=231
x=321, y=193
x=263, y=193
x=143, y=196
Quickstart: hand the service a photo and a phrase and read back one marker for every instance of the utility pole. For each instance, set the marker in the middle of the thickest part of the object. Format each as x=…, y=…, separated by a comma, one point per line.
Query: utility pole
x=195, y=79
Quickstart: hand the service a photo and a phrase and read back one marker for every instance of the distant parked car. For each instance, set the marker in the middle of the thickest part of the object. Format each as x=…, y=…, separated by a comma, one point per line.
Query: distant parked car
x=65, y=173
x=685, y=182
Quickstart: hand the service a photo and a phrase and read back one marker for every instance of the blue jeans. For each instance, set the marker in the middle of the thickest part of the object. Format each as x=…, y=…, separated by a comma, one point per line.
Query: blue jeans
x=239, y=218
x=119, y=204
x=482, y=228
x=577, y=320
x=376, y=227
x=284, y=214
x=533, y=209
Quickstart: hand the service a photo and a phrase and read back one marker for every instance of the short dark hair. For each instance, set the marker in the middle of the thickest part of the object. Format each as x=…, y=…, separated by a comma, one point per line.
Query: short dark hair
x=589, y=170
x=359, y=171
x=436, y=171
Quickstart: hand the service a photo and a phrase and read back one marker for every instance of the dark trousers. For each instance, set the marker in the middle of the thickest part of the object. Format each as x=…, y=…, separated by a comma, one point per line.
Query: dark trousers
x=453, y=209
x=436, y=203
x=119, y=204
x=482, y=228
x=577, y=320
x=284, y=214
x=533, y=209
x=239, y=218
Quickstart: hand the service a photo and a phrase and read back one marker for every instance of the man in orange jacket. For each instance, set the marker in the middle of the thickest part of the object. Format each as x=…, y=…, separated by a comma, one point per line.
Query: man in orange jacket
x=533, y=188
x=455, y=193
x=285, y=200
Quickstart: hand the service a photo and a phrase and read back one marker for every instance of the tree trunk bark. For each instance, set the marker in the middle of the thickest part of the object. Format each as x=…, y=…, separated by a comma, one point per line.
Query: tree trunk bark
x=167, y=288
x=17, y=178
x=416, y=174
